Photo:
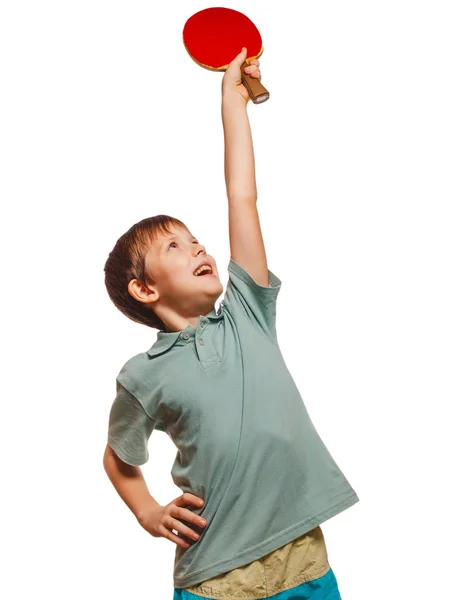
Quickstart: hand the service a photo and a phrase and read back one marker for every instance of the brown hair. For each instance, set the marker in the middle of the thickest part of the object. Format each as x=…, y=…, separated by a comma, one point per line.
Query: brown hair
x=126, y=262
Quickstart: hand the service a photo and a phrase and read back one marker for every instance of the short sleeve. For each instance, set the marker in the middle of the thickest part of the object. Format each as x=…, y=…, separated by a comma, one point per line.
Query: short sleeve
x=244, y=298
x=129, y=428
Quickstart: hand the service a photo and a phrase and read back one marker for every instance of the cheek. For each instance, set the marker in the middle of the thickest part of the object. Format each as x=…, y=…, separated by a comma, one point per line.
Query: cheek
x=178, y=275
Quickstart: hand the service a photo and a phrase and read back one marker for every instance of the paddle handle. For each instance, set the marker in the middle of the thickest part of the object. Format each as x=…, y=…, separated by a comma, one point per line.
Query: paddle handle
x=254, y=87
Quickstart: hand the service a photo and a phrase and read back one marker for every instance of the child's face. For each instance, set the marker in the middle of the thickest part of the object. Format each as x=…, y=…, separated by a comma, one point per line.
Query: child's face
x=172, y=260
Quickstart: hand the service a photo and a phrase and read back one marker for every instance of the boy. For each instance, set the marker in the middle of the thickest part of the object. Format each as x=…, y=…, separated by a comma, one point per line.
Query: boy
x=249, y=459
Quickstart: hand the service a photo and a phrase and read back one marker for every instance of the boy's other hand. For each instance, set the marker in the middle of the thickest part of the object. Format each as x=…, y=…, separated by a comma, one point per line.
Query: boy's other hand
x=160, y=521
x=232, y=86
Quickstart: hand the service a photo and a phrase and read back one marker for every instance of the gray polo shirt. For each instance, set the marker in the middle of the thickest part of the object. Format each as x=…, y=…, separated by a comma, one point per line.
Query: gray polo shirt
x=245, y=442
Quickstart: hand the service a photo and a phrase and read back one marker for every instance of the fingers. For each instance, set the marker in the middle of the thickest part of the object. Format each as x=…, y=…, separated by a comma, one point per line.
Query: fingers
x=176, y=539
x=188, y=498
x=188, y=515
x=183, y=514
x=253, y=70
x=172, y=523
x=176, y=513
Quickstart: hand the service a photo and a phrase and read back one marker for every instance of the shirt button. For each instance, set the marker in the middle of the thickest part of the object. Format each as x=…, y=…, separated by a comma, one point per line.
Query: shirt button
x=202, y=323
x=185, y=336
x=201, y=342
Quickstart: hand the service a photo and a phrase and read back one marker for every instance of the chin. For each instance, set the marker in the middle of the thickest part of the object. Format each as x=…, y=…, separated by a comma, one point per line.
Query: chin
x=218, y=290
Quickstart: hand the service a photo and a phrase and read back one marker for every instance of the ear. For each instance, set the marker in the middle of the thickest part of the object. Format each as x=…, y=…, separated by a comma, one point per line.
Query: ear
x=141, y=292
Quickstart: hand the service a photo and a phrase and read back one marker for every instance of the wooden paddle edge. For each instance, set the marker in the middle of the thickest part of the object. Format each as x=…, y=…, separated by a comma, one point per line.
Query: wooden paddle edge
x=224, y=67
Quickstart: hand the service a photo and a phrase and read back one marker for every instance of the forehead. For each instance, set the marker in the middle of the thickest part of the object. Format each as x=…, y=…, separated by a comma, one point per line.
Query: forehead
x=162, y=237
x=173, y=233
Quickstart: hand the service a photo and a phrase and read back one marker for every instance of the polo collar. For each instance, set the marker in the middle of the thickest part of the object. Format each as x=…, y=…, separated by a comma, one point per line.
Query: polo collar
x=165, y=340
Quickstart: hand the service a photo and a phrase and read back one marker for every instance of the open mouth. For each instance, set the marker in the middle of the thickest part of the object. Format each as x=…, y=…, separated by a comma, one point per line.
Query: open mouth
x=203, y=271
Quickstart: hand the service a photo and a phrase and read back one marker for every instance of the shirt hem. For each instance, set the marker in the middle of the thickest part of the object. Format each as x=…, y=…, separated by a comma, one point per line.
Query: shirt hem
x=280, y=539
x=274, y=282
x=123, y=455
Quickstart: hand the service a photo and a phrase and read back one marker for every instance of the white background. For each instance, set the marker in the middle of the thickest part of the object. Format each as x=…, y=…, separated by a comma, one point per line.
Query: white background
x=105, y=120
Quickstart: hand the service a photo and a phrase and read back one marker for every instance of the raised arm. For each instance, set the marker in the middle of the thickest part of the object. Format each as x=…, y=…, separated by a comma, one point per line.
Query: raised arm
x=245, y=236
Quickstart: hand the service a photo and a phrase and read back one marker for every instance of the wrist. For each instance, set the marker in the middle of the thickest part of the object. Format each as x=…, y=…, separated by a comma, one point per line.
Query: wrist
x=231, y=99
x=143, y=512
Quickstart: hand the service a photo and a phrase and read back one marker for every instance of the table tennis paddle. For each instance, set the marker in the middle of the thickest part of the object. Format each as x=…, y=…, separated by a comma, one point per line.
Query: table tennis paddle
x=214, y=36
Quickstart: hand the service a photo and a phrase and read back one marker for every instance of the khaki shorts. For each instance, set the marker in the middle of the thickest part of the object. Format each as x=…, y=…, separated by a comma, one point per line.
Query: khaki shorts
x=295, y=563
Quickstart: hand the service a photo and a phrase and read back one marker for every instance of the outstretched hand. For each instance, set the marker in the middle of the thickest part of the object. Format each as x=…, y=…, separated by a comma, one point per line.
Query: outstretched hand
x=232, y=85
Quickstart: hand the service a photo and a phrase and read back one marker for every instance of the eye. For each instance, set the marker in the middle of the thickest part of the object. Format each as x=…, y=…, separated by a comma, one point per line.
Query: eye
x=172, y=244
